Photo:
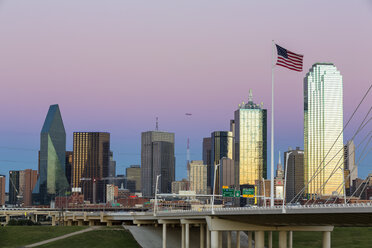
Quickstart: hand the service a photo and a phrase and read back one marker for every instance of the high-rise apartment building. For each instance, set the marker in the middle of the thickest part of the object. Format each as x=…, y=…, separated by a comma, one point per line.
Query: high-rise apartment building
x=323, y=126
x=133, y=176
x=349, y=162
x=90, y=164
x=207, y=154
x=157, y=158
x=251, y=141
x=198, y=177
x=2, y=190
x=52, y=179
x=295, y=173
x=222, y=146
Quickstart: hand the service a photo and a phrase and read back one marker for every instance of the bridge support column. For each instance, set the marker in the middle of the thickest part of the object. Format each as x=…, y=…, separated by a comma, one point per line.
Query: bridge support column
x=250, y=239
x=109, y=223
x=237, y=239
x=220, y=239
x=259, y=239
x=183, y=236
x=290, y=239
x=270, y=239
x=208, y=237
x=91, y=222
x=7, y=218
x=202, y=235
x=69, y=223
x=214, y=239
x=326, y=239
x=80, y=223
x=53, y=220
x=164, y=235
x=228, y=239
x=282, y=239
x=187, y=238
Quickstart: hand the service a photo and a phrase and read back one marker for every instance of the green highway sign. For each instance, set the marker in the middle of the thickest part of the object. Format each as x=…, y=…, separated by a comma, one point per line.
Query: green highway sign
x=228, y=192
x=248, y=193
x=237, y=193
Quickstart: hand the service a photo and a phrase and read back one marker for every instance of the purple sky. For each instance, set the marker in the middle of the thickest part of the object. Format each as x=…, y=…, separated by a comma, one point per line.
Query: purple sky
x=116, y=65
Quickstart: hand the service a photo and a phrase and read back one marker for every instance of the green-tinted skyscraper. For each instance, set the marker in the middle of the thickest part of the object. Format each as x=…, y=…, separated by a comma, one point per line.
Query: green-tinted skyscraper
x=52, y=180
x=323, y=125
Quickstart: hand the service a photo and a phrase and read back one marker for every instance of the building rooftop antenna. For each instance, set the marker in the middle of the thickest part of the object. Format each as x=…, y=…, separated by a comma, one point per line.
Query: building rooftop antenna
x=250, y=97
x=157, y=124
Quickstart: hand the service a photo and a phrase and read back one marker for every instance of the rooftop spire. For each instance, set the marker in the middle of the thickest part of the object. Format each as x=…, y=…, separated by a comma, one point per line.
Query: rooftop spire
x=250, y=97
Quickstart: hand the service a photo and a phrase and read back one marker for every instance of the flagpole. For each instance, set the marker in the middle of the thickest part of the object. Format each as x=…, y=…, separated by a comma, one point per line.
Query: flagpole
x=272, y=128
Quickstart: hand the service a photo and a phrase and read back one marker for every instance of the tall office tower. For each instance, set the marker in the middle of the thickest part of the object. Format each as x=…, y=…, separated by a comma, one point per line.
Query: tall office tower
x=251, y=141
x=207, y=153
x=222, y=146
x=52, y=179
x=30, y=179
x=133, y=175
x=295, y=173
x=2, y=190
x=279, y=169
x=68, y=167
x=349, y=161
x=157, y=158
x=111, y=168
x=323, y=126
x=198, y=177
x=229, y=174
x=90, y=164
x=14, y=187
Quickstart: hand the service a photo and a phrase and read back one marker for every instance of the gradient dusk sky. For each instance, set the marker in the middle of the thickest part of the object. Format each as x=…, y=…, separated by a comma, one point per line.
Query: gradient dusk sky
x=115, y=65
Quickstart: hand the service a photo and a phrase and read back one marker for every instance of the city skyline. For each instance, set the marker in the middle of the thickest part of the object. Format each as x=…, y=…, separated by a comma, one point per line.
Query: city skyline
x=166, y=81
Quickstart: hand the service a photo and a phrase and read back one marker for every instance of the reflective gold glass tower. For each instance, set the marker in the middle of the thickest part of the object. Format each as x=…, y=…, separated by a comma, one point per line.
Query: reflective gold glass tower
x=323, y=124
x=251, y=142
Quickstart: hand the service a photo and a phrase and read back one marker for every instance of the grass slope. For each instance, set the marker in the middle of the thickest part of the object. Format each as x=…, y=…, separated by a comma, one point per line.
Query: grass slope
x=16, y=236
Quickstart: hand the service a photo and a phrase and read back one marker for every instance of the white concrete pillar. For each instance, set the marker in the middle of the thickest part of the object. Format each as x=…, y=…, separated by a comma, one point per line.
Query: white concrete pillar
x=208, y=237
x=183, y=236
x=164, y=235
x=290, y=239
x=270, y=239
x=187, y=238
x=214, y=239
x=250, y=239
x=237, y=239
x=220, y=239
x=283, y=239
x=259, y=239
x=202, y=235
x=327, y=239
x=53, y=220
x=228, y=239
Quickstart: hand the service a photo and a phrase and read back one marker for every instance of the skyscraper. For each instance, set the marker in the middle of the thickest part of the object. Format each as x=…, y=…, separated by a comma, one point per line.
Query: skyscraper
x=133, y=176
x=222, y=146
x=207, y=153
x=14, y=187
x=68, y=169
x=91, y=163
x=30, y=179
x=157, y=158
x=251, y=141
x=111, y=168
x=21, y=184
x=2, y=190
x=198, y=177
x=323, y=126
x=349, y=161
x=52, y=179
x=295, y=173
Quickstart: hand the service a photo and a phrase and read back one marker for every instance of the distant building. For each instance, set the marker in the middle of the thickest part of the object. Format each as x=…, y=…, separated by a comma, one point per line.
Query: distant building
x=222, y=146
x=178, y=186
x=91, y=162
x=323, y=131
x=198, y=177
x=15, y=189
x=207, y=155
x=52, y=179
x=295, y=173
x=133, y=176
x=157, y=158
x=251, y=141
x=30, y=179
x=349, y=162
x=111, y=193
x=279, y=169
x=111, y=168
x=2, y=190
x=229, y=174
x=68, y=170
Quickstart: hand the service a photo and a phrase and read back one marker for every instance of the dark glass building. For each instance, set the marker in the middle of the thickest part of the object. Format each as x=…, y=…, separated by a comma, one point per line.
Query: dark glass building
x=69, y=161
x=207, y=150
x=157, y=158
x=52, y=179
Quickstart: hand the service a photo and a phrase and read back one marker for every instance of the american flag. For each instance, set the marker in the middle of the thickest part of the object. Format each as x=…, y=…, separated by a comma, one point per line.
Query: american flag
x=289, y=59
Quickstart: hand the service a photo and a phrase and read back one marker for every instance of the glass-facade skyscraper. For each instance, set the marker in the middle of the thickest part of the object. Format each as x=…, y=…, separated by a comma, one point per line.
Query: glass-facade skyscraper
x=52, y=179
x=251, y=142
x=323, y=125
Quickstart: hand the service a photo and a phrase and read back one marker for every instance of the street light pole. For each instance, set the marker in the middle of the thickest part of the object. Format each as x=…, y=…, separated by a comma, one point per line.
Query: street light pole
x=285, y=180
x=156, y=194
x=214, y=186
